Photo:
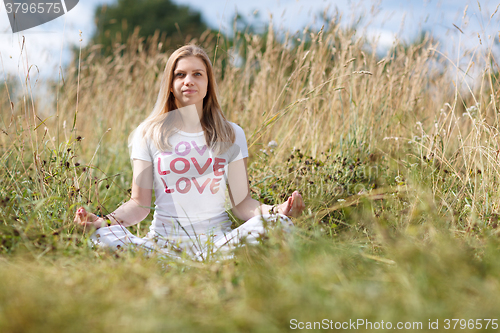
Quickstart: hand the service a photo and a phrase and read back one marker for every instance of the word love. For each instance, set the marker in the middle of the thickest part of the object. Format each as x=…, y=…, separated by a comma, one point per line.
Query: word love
x=183, y=165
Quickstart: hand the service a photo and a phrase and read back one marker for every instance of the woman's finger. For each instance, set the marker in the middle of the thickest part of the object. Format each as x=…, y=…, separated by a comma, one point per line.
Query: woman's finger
x=298, y=203
x=288, y=206
x=295, y=199
x=78, y=216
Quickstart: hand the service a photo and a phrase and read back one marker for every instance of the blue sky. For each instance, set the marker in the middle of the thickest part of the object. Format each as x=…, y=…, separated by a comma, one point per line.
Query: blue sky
x=47, y=46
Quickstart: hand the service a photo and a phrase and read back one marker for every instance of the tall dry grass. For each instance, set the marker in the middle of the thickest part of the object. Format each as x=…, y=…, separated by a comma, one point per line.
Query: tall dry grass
x=412, y=113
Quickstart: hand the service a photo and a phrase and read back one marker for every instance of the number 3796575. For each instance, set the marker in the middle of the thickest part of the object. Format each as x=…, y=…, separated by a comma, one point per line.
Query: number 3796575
x=470, y=324
x=40, y=8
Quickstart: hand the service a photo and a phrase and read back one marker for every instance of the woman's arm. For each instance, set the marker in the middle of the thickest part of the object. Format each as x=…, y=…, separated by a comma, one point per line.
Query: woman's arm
x=245, y=207
x=131, y=212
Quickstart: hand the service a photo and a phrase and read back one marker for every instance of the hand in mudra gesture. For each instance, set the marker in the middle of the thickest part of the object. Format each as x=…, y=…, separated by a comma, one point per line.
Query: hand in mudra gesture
x=293, y=206
x=88, y=221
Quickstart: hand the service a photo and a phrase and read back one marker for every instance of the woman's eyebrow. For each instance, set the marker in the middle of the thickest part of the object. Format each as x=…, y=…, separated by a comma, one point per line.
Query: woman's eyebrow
x=194, y=70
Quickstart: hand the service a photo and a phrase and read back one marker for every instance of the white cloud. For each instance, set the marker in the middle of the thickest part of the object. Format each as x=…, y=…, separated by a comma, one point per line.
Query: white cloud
x=383, y=37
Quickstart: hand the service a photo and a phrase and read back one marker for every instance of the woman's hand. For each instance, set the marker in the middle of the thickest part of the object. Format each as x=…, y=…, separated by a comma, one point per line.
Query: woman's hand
x=88, y=221
x=293, y=207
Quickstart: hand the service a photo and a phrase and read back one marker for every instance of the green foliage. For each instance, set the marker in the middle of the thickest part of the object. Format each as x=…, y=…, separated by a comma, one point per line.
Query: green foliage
x=115, y=23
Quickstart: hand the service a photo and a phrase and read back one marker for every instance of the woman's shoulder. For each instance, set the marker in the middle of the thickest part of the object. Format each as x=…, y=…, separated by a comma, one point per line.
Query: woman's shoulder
x=141, y=126
x=237, y=129
x=240, y=141
x=138, y=135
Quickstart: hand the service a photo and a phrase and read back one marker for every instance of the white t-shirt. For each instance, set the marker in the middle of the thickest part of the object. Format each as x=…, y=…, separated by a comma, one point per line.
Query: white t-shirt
x=189, y=182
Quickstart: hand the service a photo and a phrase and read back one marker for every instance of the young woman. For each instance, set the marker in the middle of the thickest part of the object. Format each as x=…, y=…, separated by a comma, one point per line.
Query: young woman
x=190, y=154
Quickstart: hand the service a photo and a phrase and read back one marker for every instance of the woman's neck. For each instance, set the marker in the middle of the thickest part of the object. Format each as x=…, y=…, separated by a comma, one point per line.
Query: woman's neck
x=190, y=119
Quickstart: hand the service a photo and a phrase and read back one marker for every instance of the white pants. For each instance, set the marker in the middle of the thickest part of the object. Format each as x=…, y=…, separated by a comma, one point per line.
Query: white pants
x=199, y=248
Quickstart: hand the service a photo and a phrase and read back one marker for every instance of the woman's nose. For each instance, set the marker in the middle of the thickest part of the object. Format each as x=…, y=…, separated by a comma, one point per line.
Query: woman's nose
x=188, y=80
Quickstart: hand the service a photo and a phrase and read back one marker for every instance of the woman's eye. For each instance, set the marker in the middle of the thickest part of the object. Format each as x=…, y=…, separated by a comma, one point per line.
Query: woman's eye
x=179, y=74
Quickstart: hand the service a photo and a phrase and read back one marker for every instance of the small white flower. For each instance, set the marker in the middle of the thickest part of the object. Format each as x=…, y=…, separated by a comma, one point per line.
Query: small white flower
x=272, y=144
x=472, y=111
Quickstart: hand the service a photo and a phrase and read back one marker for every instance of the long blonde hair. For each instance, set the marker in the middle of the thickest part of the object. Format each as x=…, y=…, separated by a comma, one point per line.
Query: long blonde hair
x=160, y=124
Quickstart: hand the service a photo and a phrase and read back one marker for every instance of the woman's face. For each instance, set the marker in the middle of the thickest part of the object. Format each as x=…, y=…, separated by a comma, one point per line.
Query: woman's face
x=190, y=82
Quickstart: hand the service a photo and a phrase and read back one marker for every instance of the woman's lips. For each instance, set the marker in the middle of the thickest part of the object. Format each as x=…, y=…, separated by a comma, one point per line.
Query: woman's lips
x=189, y=91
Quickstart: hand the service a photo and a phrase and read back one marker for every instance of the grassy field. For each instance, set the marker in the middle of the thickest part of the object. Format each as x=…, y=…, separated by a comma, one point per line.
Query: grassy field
x=395, y=155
